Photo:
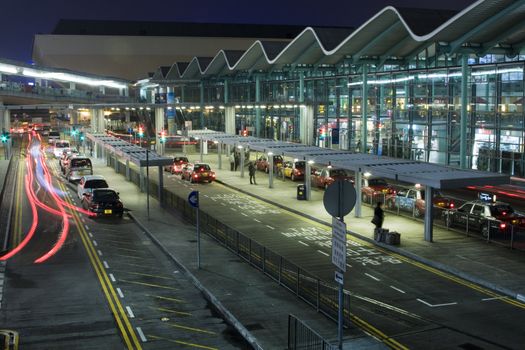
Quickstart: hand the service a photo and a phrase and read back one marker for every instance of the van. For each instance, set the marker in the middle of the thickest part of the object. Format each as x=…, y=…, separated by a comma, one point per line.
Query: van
x=60, y=146
x=78, y=167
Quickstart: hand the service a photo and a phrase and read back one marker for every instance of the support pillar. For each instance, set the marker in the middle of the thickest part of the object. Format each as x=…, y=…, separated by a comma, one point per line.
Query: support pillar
x=306, y=116
x=257, y=110
x=170, y=100
x=270, y=169
x=94, y=117
x=242, y=160
x=141, y=176
x=357, y=185
x=226, y=91
x=307, y=180
x=429, y=214
x=219, y=154
x=101, y=121
x=6, y=120
x=128, y=173
x=301, y=87
x=115, y=164
x=364, y=110
x=159, y=127
x=161, y=184
x=201, y=142
x=464, y=112
x=201, y=89
x=229, y=120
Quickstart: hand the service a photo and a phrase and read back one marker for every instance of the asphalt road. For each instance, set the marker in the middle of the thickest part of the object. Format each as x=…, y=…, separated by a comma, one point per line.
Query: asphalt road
x=107, y=287
x=418, y=306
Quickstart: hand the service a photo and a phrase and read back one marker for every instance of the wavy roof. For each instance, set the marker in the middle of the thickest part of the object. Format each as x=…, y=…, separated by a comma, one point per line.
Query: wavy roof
x=391, y=33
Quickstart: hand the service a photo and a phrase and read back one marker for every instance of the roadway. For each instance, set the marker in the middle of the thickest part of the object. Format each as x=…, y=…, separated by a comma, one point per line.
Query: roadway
x=105, y=285
x=418, y=306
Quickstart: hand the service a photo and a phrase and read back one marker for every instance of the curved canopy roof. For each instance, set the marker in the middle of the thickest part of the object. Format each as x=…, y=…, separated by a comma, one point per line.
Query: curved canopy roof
x=390, y=34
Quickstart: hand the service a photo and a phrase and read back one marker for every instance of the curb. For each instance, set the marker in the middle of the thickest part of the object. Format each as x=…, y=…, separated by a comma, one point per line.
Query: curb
x=230, y=318
x=407, y=254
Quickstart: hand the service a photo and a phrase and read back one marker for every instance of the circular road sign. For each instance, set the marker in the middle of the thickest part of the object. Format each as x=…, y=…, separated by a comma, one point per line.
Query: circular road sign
x=339, y=198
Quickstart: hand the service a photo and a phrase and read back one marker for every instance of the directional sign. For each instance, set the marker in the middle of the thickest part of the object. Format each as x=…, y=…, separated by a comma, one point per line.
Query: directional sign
x=339, y=198
x=339, y=244
x=339, y=277
x=193, y=199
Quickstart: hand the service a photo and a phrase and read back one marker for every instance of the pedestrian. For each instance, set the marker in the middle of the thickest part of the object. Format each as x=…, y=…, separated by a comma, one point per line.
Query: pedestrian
x=232, y=161
x=251, y=171
x=379, y=215
x=237, y=160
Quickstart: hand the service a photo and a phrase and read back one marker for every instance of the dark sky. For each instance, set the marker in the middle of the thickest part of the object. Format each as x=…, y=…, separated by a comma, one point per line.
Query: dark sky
x=22, y=19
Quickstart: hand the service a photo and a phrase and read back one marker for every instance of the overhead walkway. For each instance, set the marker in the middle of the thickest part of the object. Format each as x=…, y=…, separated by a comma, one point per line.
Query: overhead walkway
x=431, y=176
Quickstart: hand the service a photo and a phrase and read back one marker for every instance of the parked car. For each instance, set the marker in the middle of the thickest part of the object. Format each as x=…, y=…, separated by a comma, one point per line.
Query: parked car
x=67, y=153
x=293, y=170
x=77, y=167
x=198, y=172
x=413, y=200
x=323, y=178
x=177, y=165
x=59, y=147
x=262, y=163
x=103, y=202
x=498, y=217
x=88, y=183
x=374, y=187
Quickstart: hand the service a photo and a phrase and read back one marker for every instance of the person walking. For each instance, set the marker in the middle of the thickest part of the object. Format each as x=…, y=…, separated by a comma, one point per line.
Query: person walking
x=232, y=161
x=379, y=215
x=251, y=171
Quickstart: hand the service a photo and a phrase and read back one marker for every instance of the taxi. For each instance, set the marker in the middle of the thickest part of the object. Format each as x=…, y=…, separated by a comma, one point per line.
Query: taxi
x=323, y=178
x=293, y=170
x=413, y=200
x=198, y=172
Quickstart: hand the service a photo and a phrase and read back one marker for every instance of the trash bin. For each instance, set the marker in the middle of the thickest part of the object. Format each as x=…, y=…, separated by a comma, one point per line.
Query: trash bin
x=301, y=192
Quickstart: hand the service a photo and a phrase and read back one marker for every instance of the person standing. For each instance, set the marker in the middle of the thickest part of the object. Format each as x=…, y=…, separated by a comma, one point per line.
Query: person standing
x=237, y=160
x=379, y=215
x=251, y=171
x=232, y=161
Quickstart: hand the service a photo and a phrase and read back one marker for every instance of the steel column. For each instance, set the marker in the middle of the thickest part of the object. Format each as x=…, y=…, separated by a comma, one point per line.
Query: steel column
x=464, y=113
x=357, y=184
x=429, y=214
x=364, y=110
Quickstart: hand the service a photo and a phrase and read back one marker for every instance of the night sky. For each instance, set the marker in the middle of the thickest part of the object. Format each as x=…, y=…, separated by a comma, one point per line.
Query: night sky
x=22, y=19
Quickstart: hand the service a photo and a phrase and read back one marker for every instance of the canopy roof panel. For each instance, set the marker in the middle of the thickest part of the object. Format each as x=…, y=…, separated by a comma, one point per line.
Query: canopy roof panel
x=426, y=174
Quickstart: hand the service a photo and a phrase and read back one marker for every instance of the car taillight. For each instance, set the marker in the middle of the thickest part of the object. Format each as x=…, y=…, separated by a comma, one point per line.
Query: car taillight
x=212, y=175
x=452, y=205
x=502, y=225
x=195, y=175
x=504, y=213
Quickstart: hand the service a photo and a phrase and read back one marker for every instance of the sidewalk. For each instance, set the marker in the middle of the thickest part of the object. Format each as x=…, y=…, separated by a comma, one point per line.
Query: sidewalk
x=490, y=265
x=256, y=303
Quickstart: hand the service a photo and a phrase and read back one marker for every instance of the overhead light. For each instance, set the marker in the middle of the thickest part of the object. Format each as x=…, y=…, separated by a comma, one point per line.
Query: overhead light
x=367, y=174
x=270, y=153
x=311, y=162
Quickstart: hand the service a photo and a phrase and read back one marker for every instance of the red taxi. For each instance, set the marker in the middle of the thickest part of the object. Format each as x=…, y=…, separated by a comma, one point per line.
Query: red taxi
x=325, y=177
x=198, y=172
x=178, y=164
x=374, y=187
x=262, y=163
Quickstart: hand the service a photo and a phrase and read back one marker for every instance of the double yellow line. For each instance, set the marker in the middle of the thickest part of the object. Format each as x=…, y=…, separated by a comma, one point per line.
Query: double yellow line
x=128, y=334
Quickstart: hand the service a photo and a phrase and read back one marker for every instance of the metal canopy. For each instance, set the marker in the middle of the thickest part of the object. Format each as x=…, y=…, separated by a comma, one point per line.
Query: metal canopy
x=391, y=33
x=411, y=171
x=129, y=151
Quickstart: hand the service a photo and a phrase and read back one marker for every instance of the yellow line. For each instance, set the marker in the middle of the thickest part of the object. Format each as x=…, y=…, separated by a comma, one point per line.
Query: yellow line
x=113, y=300
x=148, y=284
x=147, y=275
x=130, y=256
x=129, y=250
x=165, y=298
x=191, y=328
x=182, y=342
x=116, y=262
x=170, y=311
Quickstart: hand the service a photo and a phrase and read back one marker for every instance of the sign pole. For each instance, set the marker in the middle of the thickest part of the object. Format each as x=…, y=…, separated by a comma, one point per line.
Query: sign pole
x=198, y=241
x=340, y=311
x=147, y=180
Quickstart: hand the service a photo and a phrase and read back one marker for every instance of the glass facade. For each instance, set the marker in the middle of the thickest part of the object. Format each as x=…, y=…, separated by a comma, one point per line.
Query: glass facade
x=413, y=112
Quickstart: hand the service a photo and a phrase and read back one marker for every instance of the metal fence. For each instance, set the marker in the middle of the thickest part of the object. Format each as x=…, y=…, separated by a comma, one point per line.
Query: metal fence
x=302, y=337
x=322, y=295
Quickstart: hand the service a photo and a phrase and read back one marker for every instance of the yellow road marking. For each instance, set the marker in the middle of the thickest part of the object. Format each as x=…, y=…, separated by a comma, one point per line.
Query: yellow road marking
x=145, y=274
x=129, y=256
x=127, y=249
x=181, y=342
x=175, y=325
x=148, y=284
x=107, y=287
x=170, y=311
x=165, y=298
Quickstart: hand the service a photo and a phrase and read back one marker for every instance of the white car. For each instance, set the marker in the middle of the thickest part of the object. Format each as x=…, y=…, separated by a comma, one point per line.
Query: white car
x=59, y=147
x=88, y=183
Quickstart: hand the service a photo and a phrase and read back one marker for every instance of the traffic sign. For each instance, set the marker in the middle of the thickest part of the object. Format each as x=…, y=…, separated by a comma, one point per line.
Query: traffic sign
x=339, y=229
x=339, y=198
x=339, y=253
x=339, y=277
x=193, y=199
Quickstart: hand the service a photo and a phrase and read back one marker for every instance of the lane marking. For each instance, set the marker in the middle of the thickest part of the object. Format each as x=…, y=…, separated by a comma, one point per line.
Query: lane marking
x=105, y=264
x=87, y=227
x=130, y=313
x=349, y=265
x=170, y=311
x=120, y=294
x=141, y=335
x=90, y=234
x=193, y=345
x=99, y=252
x=436, y=305
x=320, y=251
x=233, y=209
x=149, y=284
x=303, y=243
x=372, y=277
x=495, y=298
x=95, y=243
x=199, y=330
x=165, y=298
x=147, y=275
x=259, y=221
x=270, y=227
x=206, y=196
x=244, y=214
x=112, y=278
x=399, y=290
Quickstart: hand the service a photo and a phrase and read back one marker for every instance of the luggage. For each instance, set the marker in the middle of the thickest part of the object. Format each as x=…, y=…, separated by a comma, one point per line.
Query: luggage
x=393, y=238
x=380, y=234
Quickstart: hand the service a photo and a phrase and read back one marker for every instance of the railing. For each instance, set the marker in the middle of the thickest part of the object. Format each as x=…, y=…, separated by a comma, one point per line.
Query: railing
x=322, y=295
x=302, y=337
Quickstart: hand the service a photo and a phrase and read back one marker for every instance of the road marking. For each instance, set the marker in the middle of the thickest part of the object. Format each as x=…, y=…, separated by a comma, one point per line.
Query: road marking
x=233, y=209
x=303, y=243
x=193, y=345
x=112, y=278
x=520, y=297
x=120, y=293
x=372, y=277
x=165, y=298
x=99, y=252
x=171, y=311
x=95, y=243
x=399, y=290
x=87, y=227
x=244, y=214
x=259, y=221
x=272, y=228
x=90, y=234
x=130, y=313
x=149, y=284
x=105, y=264
x=191, y=328
x=349, y=265
x=436, y=305
x=83, y=220
x=223, y=204
x=319, y=251
x=213, y=199
x=206, y=196
x=141, y=335
x=495, y=298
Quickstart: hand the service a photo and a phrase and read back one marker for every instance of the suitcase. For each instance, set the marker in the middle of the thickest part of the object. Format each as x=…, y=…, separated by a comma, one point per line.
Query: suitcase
x=393, y=238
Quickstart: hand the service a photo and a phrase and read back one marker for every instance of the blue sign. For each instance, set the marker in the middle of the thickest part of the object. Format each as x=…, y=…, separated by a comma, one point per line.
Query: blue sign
x=193, y=199
x=487, y=197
